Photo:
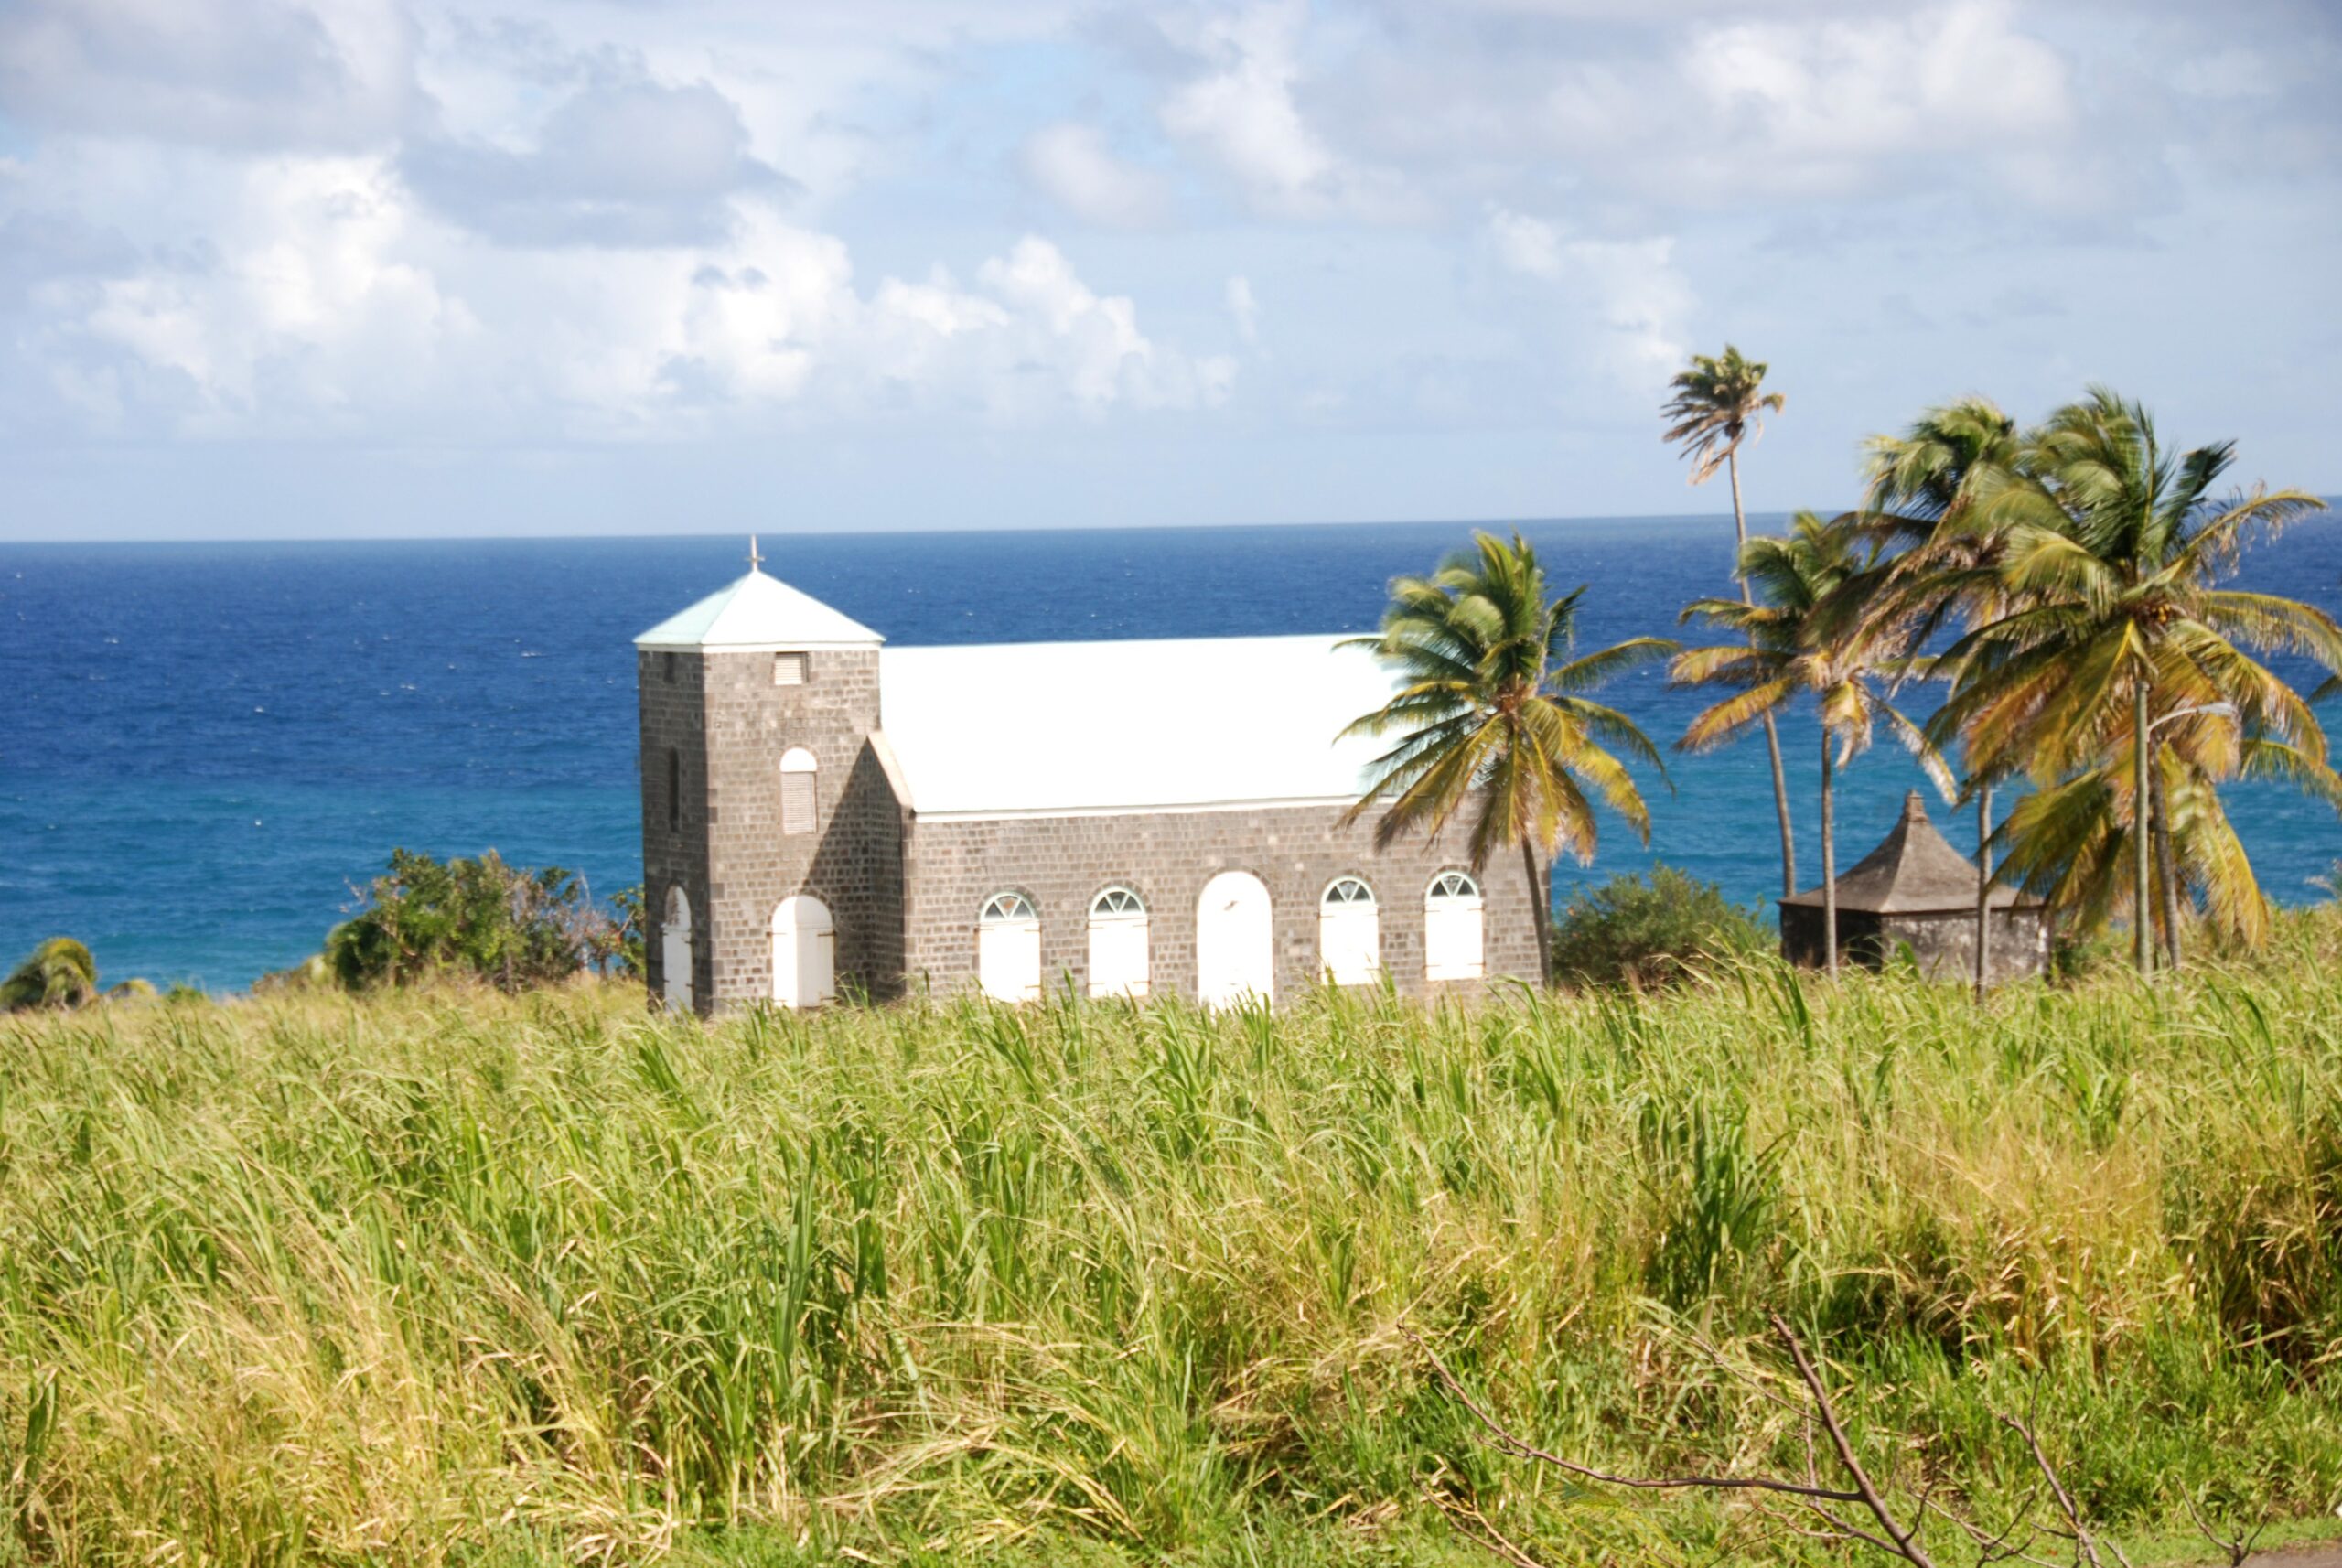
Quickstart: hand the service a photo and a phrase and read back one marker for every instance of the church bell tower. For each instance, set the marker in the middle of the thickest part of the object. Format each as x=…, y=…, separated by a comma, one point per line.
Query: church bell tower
x=771, y=843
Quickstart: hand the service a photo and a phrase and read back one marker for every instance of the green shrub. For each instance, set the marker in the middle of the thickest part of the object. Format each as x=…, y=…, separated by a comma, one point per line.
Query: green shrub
x=512, y=926
x=1648, y=932
x=60, y=974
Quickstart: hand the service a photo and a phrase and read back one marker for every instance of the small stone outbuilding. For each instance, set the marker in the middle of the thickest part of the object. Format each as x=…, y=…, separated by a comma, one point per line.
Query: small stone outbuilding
x=1915, y=889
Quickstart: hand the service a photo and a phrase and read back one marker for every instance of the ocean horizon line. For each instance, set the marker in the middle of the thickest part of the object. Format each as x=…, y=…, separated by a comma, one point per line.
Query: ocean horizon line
x=783, y=531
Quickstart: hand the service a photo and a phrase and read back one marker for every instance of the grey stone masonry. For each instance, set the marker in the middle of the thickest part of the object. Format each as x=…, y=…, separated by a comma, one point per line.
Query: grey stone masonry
x=1062, y=862
x=736, y=863
x=1942, y=942
x=674, y=805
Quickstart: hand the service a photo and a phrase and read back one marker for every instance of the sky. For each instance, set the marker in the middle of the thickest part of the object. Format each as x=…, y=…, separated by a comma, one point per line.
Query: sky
x=326, y=268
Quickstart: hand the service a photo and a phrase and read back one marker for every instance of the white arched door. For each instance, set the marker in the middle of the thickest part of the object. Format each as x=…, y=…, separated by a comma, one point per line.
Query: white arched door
x=1008, y=948
x=1453, y=920
x=804, y=953
x=1350, y=934
x=1118, y=965
x=675, y=950
x=1235, y=940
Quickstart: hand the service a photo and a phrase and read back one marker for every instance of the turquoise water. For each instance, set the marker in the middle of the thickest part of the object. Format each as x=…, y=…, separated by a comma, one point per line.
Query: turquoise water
x=211, y=746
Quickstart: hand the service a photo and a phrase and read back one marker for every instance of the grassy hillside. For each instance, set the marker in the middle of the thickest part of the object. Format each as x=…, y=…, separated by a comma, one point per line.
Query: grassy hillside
x=460, y=1277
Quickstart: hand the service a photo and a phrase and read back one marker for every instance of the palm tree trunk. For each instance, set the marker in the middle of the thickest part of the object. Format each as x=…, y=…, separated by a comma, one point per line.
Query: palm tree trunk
x=2167, y=866
x=1983, y=885
x=2141, y=920
x=1829, y=865
x=1541, y=911
x=1772, y=733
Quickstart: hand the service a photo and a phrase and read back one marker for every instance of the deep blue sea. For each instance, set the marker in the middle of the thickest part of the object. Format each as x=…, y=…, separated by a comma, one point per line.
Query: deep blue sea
x=211, y=746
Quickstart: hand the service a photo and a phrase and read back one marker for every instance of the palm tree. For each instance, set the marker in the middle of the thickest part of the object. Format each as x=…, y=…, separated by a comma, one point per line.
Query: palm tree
x=1922, y=501
x=60, y=974
x=2117, y=631
x=2074, y=841
x=1493, y=718
x=1784, y=658
x=1718, y=403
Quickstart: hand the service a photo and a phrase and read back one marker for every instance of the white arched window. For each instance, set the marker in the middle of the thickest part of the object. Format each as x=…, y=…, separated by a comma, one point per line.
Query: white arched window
x=1349, y=933
x=1236, y=953
x=798, y=773
x=675, y=950
x=1117, y=944
x=1453, y=919
x=1008, y=948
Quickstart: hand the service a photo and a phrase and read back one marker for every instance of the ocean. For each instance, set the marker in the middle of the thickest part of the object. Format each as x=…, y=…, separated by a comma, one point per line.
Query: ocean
x=212, y=746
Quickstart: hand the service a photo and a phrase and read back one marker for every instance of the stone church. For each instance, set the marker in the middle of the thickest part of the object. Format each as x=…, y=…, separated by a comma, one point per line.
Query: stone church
x=824, y=815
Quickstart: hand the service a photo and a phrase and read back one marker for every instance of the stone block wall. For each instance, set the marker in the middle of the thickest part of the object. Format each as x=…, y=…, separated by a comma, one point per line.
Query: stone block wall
x=953, y=866
x=1943, y=943
x=852, y=861
x=729, y=724
x=671, y=703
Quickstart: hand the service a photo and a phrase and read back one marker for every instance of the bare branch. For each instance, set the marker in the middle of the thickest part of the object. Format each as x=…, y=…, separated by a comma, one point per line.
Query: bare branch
x=1905, y=1543
x=2080, y=1531
x=1520, y=1448
x=2012, y=1542
x=1477, y=1527
x=2237, y=1548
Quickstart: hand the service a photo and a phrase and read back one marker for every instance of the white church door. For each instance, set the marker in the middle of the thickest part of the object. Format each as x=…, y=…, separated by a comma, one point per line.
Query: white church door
x=675, y=950
x=1117, y=944
x=1453, y=919
x=1350, y=934
x=1008, y=948
x=804, y=953
x=1235, y=941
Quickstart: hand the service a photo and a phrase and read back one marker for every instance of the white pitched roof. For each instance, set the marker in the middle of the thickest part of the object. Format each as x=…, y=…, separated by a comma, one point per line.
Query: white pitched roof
x=759, y=612
x=1051, y=727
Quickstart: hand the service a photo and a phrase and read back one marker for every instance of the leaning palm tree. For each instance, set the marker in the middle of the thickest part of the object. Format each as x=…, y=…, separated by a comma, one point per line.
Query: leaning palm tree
x=1492, y=717
x=1719, y=402
x=60, y=974
x=2119, y=632
x=1922, y=503
x=1784, y=659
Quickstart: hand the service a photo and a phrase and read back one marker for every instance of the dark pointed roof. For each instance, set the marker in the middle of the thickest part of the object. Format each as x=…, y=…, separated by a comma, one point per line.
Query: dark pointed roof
x=1914, y=870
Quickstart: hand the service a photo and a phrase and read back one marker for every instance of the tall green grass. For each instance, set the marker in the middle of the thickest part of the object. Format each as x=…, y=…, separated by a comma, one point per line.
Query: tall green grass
x=456, y=1277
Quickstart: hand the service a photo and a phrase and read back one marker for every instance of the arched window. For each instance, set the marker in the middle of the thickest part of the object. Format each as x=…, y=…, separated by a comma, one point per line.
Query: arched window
x=1236, y=955
x=1118, y=964
x=674, y=789
x=1008, y=948
x=1349, y=933
x=675, y=950
x=1453, y=919
x=798, y=773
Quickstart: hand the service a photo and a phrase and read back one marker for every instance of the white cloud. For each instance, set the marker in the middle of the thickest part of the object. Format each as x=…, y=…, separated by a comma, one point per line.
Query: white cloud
x=1823, y=104
x=239, y=73
x=1244, y=310
x=334, y=301
x=305, y=304
x=1242, y=111
x=1820, y=108
x=1070, y=164
x=1526, y=244
x=1641, y=302
x=621, y=162
x=1627, y=297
